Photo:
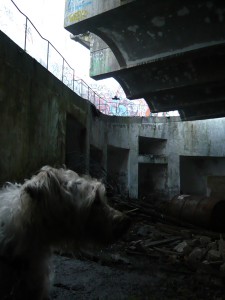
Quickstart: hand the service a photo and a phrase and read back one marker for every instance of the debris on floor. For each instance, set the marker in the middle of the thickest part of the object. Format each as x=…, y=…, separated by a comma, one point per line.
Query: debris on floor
x=160, y=258
x=173, y=242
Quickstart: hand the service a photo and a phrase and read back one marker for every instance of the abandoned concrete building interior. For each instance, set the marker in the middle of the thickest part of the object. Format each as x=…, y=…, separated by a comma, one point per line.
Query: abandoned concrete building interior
x=168, y=171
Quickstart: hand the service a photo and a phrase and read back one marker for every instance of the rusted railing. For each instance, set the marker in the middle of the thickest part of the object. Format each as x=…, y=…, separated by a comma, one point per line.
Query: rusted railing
x=20, y=28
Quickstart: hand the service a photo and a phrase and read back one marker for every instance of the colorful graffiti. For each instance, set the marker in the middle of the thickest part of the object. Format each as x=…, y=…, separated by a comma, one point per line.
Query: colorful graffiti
x=125, y=108
x=77, y=16
x=72, y=5
x=115, y=103
x=75, y=11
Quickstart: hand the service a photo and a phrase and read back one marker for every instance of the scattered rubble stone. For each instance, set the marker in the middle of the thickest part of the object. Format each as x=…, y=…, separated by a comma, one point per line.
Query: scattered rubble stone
x=189, y=248
x=180, y=248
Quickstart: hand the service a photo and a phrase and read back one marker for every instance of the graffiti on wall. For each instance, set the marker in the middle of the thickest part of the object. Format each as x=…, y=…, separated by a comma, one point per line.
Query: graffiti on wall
x=76, y=10
x=115, y=103
x=75, y=5
x=76, y=17
x=125, y=108
x=34, y=44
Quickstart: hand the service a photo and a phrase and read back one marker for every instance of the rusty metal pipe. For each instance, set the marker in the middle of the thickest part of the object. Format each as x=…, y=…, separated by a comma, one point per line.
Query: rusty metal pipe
x=203, y=211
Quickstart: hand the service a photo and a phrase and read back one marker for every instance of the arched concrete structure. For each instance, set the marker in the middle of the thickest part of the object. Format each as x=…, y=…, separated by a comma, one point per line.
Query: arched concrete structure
x=172, y=53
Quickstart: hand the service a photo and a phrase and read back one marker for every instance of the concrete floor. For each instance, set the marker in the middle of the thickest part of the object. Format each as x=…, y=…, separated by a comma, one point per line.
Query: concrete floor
x=114, y=273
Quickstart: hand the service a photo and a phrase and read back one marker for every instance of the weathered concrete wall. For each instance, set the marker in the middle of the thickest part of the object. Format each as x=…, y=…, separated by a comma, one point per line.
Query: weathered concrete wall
x=34, y=105
x=44, y=122
x=103, y=61
x=197, y=139
x=155, y=45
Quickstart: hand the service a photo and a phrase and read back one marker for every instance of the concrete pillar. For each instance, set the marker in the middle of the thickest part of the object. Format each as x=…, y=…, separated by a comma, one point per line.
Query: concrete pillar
x=173, y=177
x=133, y=163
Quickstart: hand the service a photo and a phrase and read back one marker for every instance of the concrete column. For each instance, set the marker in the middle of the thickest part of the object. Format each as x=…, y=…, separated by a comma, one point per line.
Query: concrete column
x=173, y=176
x=133, y=163
x=133, y=174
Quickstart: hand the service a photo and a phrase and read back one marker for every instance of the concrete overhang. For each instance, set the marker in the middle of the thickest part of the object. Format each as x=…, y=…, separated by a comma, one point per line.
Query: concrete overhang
x=171, y=53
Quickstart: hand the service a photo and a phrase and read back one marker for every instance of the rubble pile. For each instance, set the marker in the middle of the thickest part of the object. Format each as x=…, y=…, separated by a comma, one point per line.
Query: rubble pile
x=204, y=251
x=174, y=260
x=173, y=243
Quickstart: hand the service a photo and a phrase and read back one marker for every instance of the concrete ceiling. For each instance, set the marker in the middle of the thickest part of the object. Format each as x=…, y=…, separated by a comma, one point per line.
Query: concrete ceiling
x=171, y=53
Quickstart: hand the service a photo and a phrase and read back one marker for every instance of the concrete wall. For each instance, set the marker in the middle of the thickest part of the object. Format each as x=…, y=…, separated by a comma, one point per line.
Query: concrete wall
x=157, y=162
x=44, y=122
x=34, y=107
x=103, y=61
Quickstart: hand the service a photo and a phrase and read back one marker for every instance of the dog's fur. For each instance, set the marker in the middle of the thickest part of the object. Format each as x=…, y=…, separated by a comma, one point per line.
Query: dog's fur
x=54, y=209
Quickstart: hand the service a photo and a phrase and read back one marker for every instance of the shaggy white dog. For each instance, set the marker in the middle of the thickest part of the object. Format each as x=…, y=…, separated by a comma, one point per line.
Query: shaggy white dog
x=55, y=209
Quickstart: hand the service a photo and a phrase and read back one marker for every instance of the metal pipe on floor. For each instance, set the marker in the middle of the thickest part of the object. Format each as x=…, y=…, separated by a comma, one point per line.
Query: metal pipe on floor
x=203, y=211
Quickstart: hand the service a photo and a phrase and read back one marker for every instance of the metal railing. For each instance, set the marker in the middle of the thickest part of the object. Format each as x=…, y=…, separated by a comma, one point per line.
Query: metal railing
x=23, y=32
